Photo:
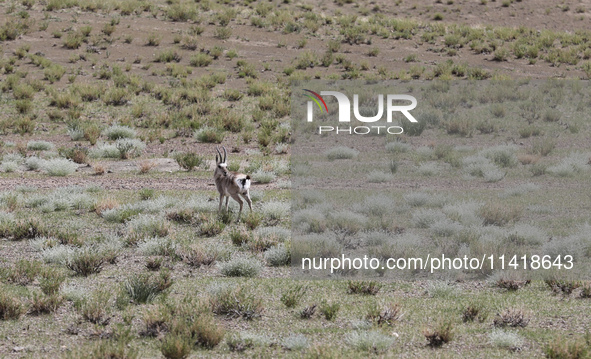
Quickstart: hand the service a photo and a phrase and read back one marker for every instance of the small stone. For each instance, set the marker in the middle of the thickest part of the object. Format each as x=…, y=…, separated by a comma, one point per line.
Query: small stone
x=18, y=349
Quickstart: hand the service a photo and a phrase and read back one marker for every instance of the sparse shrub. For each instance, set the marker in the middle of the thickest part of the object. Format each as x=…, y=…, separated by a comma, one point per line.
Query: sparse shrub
x=23, y=272
x=365, y=288
x=188, y=160
x=252, y=220
x=372, y=341
x=292, y=296
x=44, y=304
x=239, y=236
x=200, y=60
x=261, y=176
x=279, y=255
x=497, y=215
x=382, y=315
x=338, y=153
x=78, y=155
x=116, y=132
x=329, y=310
x=460, y=126
x=415, y=128
x=377, y=176
x=235, y=302
x=154, y=263
x=585, y=291
x=473, y=312
x=232, y=95
x=115, y=97
x=542, y=147
x=308, y=312
x=242, y=341
x=209, y=135
x=511, y=318
x=211, y=227
x=144, y=288
x=397, y=147
x=73, y=41
x=575, y=163
x=442, y=289
x=442, y=333
x=22, y=229
x=511, y=284
x=552, y=115
x=92, y=133
x=506, y=340
x=561, y=348
x=40, y=146
x=175, y=346
x=105, y=150
x=146, y=225
x=157, y=246
x=146, y=166
x=222, y=33
x=129, y=147
x=95, y=308
x=50, y=281
x=86, y=261
x=425, y=218
x=295, y=342
x=275, y=210
x=199, y=255
x=153, y=40
x=538, y=169
x=9, y=166
x=11, y=308
x=59, y=167
x=241, y=267
x=166, y=56
x=566, y=287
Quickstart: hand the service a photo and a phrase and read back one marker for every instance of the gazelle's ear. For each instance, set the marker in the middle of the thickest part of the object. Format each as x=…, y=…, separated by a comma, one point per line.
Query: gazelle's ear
x=216, y=159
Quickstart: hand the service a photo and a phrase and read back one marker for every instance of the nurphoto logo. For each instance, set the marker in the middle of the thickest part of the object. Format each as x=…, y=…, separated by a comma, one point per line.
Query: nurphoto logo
x=344, y=112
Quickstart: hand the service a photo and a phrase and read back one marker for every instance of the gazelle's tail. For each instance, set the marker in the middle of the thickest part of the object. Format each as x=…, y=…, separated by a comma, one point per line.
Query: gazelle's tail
x=243, y=183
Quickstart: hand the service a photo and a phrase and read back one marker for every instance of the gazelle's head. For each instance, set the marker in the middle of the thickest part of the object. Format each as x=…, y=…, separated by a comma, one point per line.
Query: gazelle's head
x=221, y=166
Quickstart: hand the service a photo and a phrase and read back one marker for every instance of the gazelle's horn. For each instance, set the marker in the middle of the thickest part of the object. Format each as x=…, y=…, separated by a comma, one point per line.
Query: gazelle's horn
x=225, y=154
x=219, y=153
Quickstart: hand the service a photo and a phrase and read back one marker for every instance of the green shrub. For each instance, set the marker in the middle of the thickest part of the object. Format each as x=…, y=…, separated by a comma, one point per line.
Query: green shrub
x=189, y=160
x=175, y=346
x=241, y=267
x=373, y=341
x=442, y=333
x=95, y=308
x=562, y=348
x=329, y=310
x=144, y=288
x=86, y=261
x=235, y=302
x=292, y=296
x=54, y=73
x=365, y=288
x=209, y=135
x=341, y=152
x=200, y=60
x=169, y=55
x=11, y=308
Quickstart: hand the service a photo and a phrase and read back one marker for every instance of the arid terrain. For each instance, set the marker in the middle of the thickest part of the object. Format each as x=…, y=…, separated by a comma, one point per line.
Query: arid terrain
x=110, y=241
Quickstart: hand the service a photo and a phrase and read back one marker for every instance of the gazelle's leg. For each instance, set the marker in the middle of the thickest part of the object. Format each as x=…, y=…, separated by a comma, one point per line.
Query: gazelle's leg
x=237, y=199
x=247, y=198
x=221, y=199
x=227, y=199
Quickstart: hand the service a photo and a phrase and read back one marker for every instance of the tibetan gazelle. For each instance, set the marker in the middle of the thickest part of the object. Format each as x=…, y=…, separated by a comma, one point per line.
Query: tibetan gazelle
x=230, y=184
